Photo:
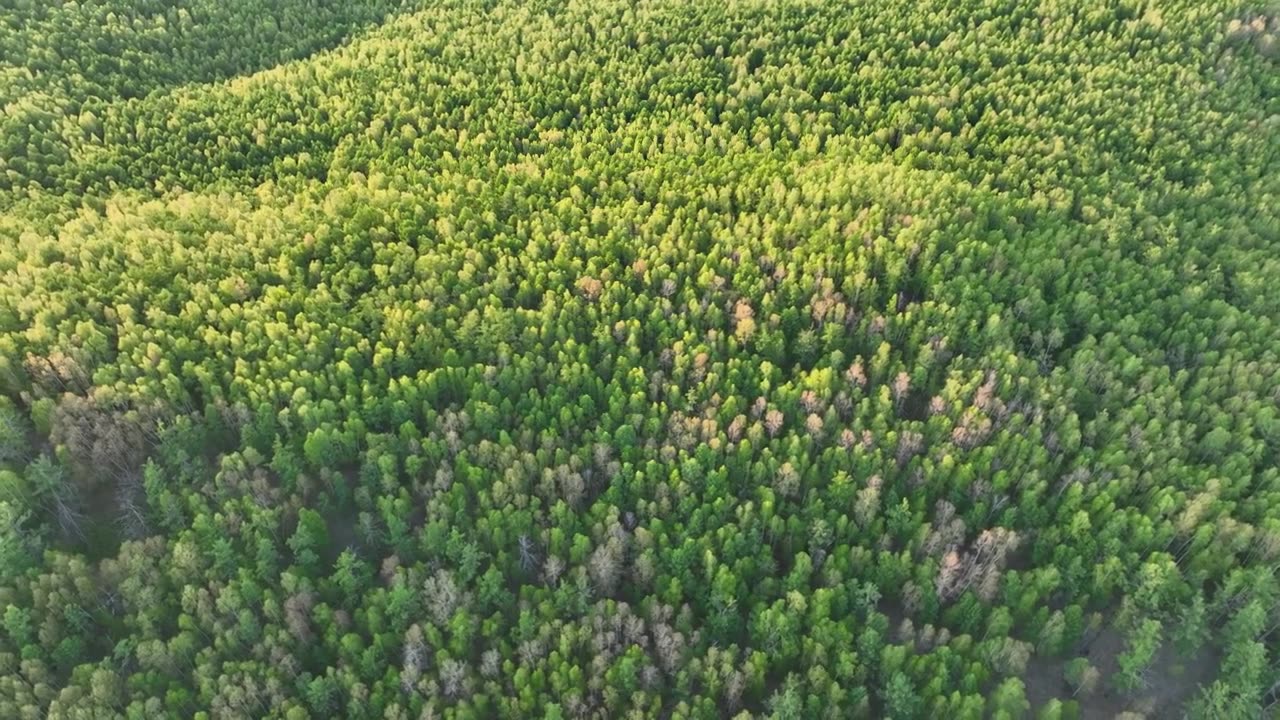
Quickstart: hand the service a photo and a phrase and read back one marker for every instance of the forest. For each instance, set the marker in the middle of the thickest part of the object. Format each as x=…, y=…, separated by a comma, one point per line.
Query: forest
x=604, y=359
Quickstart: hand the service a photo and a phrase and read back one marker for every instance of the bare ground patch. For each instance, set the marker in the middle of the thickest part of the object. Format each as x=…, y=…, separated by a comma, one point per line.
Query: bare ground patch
x=1172, y=680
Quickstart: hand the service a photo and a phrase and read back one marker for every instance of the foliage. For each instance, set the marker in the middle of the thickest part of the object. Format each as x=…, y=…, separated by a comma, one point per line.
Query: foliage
x=666, y=359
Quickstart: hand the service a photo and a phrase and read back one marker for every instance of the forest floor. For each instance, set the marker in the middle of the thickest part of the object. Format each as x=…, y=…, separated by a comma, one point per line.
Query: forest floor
x=1173, y=680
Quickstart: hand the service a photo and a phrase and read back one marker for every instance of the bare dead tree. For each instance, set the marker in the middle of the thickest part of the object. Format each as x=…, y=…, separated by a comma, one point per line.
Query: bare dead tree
x=131, y=516
x=528, y=553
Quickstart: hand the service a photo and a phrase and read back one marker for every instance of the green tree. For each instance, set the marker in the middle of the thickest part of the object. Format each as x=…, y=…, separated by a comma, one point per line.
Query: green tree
x=309, y=540
x=1009, y=700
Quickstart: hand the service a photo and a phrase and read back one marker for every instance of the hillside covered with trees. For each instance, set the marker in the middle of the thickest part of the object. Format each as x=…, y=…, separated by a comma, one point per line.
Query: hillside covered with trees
x=628, y=359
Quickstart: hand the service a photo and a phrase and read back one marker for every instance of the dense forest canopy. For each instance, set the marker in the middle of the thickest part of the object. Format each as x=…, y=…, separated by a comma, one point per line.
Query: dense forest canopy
x=605, y=359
